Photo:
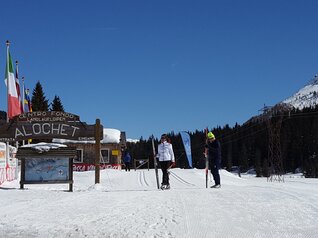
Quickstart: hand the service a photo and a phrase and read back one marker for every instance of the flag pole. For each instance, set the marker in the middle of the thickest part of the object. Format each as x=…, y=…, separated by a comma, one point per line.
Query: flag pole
x=16, y=78
x=23, y=99
x=23, y=96
x=8, y=82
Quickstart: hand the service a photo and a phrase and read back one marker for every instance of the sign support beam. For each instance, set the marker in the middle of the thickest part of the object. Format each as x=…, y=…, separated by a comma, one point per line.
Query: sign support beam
x=97, y=151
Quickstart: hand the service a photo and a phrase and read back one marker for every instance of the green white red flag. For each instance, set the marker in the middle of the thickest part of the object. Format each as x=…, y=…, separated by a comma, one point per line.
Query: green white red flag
x=13, y=98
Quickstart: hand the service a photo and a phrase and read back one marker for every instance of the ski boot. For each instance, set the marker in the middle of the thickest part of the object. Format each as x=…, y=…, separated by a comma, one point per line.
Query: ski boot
x=216, y=186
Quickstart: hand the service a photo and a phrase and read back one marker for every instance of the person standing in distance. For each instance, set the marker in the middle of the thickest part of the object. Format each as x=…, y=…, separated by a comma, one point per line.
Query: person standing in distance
x=213, y=152
x=127, y=161
x=166, y=160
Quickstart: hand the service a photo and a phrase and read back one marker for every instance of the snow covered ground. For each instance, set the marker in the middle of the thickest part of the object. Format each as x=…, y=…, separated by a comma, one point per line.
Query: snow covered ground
x=127, y=204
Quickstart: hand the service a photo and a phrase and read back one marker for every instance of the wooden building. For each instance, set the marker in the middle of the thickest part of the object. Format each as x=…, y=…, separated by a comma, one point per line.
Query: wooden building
x=112, y=147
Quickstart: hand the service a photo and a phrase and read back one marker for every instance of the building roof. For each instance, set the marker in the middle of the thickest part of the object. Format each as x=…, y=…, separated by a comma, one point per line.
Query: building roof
x=109, y=136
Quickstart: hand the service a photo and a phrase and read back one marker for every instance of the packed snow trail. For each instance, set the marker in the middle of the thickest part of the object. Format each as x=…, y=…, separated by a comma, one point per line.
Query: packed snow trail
x=128, y=204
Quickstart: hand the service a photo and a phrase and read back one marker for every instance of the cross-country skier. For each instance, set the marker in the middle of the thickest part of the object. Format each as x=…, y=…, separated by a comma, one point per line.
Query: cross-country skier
x=166, y=159
x=213, y=152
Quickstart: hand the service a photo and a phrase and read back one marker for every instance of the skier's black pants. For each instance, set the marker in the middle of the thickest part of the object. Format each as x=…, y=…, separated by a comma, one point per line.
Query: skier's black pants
x=215, y=174
x=127, y=166
x=165, y=176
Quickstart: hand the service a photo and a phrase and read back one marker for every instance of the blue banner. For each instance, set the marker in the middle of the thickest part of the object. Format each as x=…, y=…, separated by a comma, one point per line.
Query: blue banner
x=187, y=145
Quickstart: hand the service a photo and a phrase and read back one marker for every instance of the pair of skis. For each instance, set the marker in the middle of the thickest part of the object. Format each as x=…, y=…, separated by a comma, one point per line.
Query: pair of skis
x=164, y=187
x=206, y=171
x=206, y=163
x=155, y=161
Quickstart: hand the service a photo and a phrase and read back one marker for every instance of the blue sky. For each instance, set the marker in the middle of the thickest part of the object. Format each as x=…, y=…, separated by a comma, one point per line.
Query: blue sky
x=151, y=67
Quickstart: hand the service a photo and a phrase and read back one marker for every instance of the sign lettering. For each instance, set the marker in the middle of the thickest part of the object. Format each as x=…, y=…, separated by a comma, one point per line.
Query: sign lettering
x=52, y=116
x=51, y=129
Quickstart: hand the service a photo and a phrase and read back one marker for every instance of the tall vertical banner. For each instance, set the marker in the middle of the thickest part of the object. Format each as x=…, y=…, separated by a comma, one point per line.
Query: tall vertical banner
x=12, y=165
x=8, y=164
x=2, y=162
x=187, y=145
x=26, y=102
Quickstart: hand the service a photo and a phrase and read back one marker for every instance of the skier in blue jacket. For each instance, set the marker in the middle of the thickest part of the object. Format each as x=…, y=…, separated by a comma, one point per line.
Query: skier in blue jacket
x=213, y=152
x=127, y=161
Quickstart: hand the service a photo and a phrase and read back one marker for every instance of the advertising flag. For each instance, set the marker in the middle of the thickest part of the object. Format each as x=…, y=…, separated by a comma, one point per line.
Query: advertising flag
x=27, y=102
x=187, y=146
x=25, y=99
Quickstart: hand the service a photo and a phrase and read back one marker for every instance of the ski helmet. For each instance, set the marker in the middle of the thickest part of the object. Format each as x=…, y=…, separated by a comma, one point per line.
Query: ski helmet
x=211, y=135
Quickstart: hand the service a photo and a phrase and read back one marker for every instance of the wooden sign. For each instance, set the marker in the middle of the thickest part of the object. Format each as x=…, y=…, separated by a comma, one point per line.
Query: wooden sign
x=47, y=125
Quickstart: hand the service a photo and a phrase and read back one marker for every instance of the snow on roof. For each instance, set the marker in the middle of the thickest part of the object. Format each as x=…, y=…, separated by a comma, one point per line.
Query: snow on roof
x=110, y=136
x=42, y=146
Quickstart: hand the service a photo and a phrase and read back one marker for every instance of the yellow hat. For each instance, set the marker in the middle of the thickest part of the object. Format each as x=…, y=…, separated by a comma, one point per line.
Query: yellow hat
x=211, y=135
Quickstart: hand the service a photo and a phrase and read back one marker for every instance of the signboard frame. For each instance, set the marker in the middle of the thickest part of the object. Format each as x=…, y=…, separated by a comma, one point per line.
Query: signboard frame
x=26, y=154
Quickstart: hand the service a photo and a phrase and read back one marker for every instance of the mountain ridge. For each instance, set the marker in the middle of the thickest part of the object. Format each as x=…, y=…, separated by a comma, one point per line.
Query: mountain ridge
x=306, y=96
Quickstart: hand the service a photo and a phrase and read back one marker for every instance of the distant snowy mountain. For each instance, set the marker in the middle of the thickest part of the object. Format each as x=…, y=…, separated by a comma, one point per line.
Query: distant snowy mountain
x=305, y=97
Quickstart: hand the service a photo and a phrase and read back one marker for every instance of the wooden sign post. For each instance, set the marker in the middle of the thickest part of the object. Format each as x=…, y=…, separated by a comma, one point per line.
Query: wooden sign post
x=48, y=125
x=97, y=151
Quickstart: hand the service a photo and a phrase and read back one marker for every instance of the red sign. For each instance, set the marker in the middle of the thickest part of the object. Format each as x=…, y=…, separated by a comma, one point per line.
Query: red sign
x=79, y=167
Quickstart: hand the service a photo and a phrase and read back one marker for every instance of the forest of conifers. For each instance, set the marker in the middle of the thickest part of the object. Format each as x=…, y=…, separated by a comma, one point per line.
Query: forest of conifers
x=247, y=145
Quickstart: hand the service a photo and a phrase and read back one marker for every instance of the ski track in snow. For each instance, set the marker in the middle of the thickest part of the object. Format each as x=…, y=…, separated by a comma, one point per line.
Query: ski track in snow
x=128, y=204
x=179, y=179
x=142, y=179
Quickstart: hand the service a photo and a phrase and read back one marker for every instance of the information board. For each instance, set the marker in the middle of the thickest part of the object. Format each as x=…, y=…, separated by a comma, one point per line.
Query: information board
x=47, y=169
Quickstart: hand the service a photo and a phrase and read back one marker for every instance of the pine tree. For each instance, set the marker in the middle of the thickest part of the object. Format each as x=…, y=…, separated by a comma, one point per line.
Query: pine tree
x=246, y=146
x=57, y=104
x=3, y=115
x=39, y=101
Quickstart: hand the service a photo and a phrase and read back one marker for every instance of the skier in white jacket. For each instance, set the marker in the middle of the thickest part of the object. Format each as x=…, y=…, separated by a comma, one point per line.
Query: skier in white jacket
x=166, y=159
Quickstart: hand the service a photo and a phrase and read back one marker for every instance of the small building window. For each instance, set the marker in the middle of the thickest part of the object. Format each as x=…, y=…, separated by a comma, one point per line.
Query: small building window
x=104, y=156
x=79, y=156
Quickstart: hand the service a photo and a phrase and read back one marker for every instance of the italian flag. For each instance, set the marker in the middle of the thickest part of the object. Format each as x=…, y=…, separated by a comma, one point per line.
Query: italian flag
x=13, y=99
